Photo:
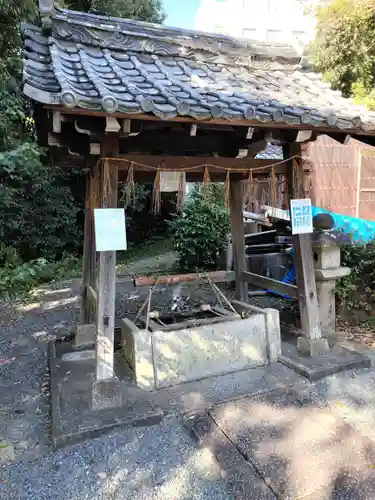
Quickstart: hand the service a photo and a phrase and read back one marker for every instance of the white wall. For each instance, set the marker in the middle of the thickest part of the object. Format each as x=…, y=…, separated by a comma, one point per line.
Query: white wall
x=267, y=20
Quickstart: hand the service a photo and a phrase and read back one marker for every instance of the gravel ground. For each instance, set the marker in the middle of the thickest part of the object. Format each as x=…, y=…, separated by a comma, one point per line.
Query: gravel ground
x=155, y=463
x=135, y=464
x=142, y=464
x=26, y=329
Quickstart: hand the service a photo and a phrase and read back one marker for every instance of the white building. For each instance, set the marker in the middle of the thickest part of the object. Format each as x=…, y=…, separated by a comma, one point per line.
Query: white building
x=267, y=20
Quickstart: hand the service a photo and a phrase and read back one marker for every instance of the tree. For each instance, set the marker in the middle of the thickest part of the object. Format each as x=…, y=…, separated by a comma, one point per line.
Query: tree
x=344, y=48
x=143, y=10
x=36, y=209
x=38, y=212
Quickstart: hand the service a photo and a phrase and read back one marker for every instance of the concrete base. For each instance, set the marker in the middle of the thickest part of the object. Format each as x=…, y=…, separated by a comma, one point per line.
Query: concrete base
x=308, y=347
x=79, y=356
x=82, y=408
x=317, y=367
x=85, y=336
x=107, y=394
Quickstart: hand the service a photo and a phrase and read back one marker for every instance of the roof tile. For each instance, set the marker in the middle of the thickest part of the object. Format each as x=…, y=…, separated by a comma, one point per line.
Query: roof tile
x=114, y=64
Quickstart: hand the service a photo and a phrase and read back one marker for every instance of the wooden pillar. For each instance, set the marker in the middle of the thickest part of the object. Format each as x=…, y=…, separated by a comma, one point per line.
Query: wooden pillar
x=96, y=190
x=107, y=267
x=311, y=343
x=238, y=238
x=87, y=316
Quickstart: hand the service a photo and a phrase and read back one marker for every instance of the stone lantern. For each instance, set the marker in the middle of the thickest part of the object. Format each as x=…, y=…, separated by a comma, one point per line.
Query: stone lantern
x=328, y=269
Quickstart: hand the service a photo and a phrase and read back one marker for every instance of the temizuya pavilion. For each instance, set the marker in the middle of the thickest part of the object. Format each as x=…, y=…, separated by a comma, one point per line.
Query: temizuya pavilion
x=119, y=97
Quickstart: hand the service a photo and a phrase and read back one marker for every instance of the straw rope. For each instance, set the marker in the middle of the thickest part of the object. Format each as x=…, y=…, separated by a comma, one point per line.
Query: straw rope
x=227, y=189
x=273, y=187
x=181, y=193
x=206, y=179
x=94, y=190
x=200, y=166
x=107, y=190
x=250, y=196
x=156, y=194
x=129, y=192
x=298, y=180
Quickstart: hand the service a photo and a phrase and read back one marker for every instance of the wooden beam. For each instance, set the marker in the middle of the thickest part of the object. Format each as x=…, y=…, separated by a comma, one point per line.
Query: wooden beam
x=216, y=277
x=270, y=284
x=94, y=149
x=56, y=122
x=341, y=138
x=304, y=136
x=249, y=133
x=199, y=162
x=54, y=140
x=307, y=294
x=304, y=264
x=238, y=238
x=253, y=216
x=191, y=323
x=126, y=126
x=216, y=167
x=256, y=147
x=112, y=125
x=107, y=270
x=322, y=129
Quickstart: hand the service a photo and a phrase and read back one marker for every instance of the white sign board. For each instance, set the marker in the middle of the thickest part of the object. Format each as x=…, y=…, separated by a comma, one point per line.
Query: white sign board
x=110, y=230
x=169, y=182
x=302, y=222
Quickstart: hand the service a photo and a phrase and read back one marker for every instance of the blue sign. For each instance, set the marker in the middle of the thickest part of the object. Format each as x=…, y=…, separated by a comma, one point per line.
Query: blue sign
x=302, y=220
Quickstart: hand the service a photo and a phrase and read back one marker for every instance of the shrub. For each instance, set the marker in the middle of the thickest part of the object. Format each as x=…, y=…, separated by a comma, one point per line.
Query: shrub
x=37, y=212
x=358, y=289
x=200, y=232
x=18, y=278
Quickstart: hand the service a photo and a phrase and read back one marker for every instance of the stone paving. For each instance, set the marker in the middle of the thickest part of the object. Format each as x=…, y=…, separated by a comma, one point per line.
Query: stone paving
x=306, y=441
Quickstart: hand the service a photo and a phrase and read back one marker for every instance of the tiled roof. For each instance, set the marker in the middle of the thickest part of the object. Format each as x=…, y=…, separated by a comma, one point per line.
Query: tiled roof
x=110, y=65
x=273, y=152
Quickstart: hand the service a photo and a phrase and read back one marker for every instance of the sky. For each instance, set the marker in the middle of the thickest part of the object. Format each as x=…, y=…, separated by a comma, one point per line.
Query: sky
x=181, y=13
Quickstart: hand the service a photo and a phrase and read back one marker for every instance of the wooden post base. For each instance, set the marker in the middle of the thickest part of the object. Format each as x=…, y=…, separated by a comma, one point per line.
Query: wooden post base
x=85, y=336
x=308, y=347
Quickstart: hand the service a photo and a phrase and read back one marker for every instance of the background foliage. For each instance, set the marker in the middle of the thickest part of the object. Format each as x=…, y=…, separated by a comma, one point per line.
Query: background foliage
x=344, y=48
x=358, y=289
x=200, y=233
x=143, y=10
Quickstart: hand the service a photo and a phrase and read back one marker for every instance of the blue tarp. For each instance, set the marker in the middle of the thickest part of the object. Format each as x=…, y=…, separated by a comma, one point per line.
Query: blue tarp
x=359, y=230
